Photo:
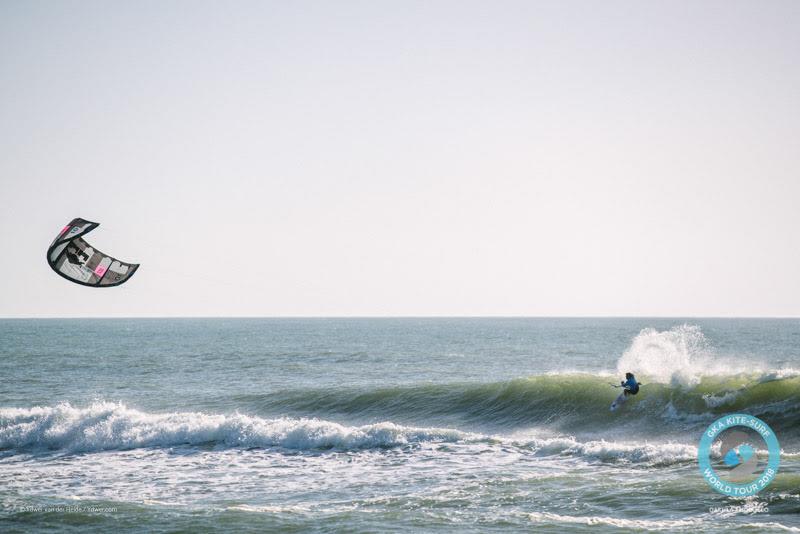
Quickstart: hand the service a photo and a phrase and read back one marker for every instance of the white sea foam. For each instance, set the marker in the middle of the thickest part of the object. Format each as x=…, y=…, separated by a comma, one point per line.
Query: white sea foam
x=715, y=401
x=679, y=524
x=688, y=525
x=108, y=426
x=780, y=374
x=672, y=414
x=772, y=525
x=653, y=454
x=296, y=508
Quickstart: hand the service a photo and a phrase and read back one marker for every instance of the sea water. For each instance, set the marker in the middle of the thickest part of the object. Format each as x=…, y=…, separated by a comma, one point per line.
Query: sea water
x=376, y=425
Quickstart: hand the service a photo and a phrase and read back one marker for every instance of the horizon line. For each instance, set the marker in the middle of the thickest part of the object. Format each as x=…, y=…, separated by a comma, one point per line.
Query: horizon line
x=404, y=317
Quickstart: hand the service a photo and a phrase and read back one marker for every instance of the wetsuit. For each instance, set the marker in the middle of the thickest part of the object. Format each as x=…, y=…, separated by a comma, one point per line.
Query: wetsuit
x=631, y=386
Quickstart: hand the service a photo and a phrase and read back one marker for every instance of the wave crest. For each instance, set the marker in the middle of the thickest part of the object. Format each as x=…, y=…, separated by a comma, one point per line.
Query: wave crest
x=109, y=426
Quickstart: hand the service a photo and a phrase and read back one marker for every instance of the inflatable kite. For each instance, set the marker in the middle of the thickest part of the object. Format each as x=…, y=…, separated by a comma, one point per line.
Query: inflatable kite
x=76, y=260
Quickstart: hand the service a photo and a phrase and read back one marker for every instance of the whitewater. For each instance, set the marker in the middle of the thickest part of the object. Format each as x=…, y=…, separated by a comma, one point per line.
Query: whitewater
x=387, y=424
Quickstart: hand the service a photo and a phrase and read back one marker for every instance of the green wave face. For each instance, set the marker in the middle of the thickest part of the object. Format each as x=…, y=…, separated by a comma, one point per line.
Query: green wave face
x=577, y=403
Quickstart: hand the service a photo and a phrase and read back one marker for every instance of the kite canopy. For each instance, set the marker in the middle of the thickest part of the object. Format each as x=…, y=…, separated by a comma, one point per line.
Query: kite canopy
x=76, y=260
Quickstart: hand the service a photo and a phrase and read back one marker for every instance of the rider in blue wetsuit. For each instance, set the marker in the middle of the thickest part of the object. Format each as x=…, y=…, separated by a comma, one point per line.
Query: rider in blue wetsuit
x=630, y=384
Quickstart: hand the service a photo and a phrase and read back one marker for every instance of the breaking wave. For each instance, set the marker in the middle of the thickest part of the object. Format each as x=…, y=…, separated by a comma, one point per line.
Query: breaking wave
x=686, y=386
x=571, y=403
x=109, y=426
x=104, y=426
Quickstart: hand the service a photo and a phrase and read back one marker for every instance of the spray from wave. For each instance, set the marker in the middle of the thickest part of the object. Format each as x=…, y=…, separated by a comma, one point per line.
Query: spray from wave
x=681, y=356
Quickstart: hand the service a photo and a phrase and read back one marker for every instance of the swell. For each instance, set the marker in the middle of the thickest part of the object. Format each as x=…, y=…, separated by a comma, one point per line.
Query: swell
x=568, y=402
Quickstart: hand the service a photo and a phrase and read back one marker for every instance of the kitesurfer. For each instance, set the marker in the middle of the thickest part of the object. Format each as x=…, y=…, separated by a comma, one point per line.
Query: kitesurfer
x=630, y=384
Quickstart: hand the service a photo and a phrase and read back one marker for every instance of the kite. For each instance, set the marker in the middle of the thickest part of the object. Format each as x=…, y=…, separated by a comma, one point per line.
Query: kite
x=76, y=260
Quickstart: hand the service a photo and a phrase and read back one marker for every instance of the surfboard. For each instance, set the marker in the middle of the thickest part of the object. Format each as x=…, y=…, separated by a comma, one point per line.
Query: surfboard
x=619, y=401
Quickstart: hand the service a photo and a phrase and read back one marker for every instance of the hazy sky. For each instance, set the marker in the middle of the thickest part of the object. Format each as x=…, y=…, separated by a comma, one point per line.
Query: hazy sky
x=405, y=158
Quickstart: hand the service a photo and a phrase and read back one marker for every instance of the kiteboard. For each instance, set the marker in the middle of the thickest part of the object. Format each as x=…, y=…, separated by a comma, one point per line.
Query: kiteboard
x=619, y=401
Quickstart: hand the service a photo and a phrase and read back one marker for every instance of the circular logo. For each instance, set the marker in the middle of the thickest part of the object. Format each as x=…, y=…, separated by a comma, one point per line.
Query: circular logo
x=738, y=473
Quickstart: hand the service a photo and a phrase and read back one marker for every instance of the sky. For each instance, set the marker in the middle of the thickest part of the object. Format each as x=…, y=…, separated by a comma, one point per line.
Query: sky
x=404, y=158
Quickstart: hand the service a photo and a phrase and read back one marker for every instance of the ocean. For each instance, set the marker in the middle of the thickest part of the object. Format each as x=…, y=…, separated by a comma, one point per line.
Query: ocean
x=388, y=425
